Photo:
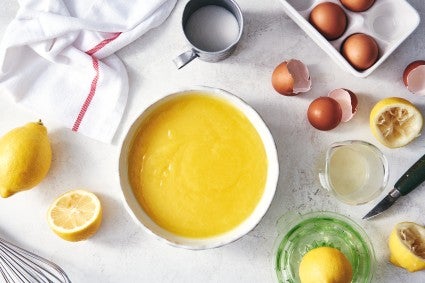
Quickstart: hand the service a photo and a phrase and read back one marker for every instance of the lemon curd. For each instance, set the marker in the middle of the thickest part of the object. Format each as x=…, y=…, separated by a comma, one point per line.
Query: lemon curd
x=197, y=165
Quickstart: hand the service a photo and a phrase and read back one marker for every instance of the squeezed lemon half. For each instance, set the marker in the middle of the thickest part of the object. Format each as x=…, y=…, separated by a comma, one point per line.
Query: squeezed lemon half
x=75, y=215
x=325, y=265
x=395, y=122
x=407, y=246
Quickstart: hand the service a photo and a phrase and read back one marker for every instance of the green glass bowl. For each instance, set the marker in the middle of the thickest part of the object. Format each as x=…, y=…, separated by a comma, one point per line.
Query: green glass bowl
x=301, y=233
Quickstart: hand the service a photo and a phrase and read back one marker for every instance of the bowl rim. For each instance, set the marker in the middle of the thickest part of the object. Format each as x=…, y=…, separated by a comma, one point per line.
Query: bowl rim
x=141, y=218
x=288, y=222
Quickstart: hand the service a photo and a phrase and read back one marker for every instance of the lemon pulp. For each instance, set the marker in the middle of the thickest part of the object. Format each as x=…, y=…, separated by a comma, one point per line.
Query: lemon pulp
x=407, y=246
x=75, y=216
x=395, y=122
x=197, y=166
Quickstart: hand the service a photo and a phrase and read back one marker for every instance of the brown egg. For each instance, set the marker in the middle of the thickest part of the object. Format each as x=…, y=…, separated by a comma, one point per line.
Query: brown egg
x=360, y=50
x=324, y=113
x=329, y=19
x=357, y=5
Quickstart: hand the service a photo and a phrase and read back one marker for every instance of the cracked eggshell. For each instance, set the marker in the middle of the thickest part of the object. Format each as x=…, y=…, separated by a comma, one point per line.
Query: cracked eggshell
x=414, y=77
x=348, y=102
x=291, y=78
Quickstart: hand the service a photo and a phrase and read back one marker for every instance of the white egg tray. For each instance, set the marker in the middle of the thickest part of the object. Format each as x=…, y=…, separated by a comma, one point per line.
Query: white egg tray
x=389, y=22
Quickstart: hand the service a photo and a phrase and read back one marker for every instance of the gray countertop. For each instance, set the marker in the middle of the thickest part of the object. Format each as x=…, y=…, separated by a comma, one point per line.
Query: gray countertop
x=121, y=251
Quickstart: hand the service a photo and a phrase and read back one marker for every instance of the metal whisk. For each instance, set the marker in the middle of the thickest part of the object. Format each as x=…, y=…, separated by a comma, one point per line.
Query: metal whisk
x=19, y=265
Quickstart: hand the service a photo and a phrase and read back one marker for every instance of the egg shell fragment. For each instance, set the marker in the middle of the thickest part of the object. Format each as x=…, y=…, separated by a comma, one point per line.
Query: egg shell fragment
x=291, y=78
x=414, y=77
x=282, y=80
x=301, y=75
x=348, y=102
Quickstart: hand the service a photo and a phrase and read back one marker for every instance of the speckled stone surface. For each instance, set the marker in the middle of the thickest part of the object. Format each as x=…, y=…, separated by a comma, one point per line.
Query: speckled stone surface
x=121, y=251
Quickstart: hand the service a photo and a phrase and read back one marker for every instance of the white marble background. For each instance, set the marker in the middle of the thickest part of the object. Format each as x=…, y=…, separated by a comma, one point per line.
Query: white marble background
x=121, y=251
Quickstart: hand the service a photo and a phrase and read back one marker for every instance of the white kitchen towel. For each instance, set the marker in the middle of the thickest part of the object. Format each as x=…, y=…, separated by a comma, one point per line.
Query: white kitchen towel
x=56, y=58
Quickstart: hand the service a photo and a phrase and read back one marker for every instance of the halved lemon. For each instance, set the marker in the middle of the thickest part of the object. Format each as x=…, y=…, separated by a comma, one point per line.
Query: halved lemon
x=325, y=264
x=395, y=122
x=407, y=246
x=75, y=215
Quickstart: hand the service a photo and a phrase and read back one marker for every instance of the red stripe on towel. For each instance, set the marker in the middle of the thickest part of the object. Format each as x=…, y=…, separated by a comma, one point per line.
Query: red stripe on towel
x=102, y=44
x=89, y=97
x=93, y=85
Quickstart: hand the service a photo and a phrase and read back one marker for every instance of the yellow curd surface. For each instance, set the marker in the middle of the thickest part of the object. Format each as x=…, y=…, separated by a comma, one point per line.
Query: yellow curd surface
x=197, y=166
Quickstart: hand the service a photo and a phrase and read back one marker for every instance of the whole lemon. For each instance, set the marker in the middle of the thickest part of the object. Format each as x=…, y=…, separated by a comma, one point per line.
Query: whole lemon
x=25, y=158
x=325, y=265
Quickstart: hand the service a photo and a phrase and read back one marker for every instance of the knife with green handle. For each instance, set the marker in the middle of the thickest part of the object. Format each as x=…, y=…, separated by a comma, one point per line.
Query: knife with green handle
x=407, y=183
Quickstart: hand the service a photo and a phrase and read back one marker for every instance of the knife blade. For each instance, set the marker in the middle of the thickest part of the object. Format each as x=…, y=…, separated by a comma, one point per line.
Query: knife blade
x=410, y=180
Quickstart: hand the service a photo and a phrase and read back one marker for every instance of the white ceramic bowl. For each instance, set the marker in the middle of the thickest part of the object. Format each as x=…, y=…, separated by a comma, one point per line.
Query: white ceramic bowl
x=143, y=218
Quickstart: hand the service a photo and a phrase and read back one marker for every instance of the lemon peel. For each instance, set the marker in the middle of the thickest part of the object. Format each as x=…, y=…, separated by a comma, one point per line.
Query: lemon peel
x=395, y=122
x=407, y=246
x=325, y=265
x=75, y=216
x=25, y=158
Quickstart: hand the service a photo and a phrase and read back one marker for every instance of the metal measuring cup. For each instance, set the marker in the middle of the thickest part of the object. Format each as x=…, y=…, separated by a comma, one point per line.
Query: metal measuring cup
x=208, y=56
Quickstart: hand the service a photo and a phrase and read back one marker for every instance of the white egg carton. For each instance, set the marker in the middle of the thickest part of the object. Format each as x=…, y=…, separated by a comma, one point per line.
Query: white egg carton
x=389, y=22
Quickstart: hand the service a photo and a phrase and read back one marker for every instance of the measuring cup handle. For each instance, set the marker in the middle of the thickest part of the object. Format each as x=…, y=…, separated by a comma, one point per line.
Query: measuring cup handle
x=185, y=58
